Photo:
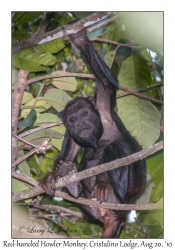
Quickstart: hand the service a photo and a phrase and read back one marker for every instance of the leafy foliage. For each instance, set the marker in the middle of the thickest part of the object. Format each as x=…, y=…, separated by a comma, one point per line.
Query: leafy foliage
x=137, y=66
x=29, y=60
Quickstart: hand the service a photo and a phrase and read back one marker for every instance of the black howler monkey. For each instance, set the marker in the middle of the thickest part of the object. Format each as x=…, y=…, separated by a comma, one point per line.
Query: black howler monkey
x=91, y=123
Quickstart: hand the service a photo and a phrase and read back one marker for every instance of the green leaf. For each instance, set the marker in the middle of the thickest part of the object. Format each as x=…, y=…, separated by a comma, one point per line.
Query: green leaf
x=40, y=103
x=41, y=134
x=52, y=46
x=141, y=119
x=157, y=192
x=145, y=197
x=140, y=116
x=109, y=58
x=18, y=186
x=57, y=143
x=152, y=217
x=23, y=166
x=26, y=97
x=28, y=121
x=14, y=76
x=57, y=99
x=24, y=17
x=21, y=34
x=157, y=171
x=29, y=60
x=154, y=162
x=134, y=73
x=64, y=83
x=45, y=118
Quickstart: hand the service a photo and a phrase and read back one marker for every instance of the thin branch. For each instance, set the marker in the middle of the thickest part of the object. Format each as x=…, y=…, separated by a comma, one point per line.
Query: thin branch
x=26, y=142
x=90, y=172
x=53, y=124
x=141, y=89
x=49, y=207
x=64, y=229
x=58, y=209
x=44, y=23
x=65, y=74
x=116, y=43
x=40, y=149
x=23, y=158
x=104, y=23
x=140, y=95
x=25, y=178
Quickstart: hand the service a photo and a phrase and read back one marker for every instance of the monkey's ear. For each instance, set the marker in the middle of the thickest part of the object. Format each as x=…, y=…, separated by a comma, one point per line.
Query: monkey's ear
x=60, y=114
x=91, y=98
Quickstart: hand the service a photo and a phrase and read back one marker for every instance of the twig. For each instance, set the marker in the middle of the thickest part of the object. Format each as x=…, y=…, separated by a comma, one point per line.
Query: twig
x=40, y=149
x=104, y=23
x=116, y=43
x=51, y=207
x=58, y=209
x=64, y=229
x=26, y=142
x=53, y=124
x=140, y=95
x=65, y=74
x=33, y=151
x=141, y=89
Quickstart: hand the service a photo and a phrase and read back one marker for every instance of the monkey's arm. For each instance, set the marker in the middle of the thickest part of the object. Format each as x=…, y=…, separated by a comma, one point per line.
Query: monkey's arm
x=69, y=149
x=62, y=167
x=106, y=81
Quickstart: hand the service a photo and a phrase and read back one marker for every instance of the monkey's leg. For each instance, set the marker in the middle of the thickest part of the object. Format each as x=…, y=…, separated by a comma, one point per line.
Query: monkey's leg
x=114, y=221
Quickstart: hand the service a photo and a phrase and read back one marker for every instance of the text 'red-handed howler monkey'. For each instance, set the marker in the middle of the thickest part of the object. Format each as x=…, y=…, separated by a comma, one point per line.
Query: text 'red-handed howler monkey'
x=92, y=124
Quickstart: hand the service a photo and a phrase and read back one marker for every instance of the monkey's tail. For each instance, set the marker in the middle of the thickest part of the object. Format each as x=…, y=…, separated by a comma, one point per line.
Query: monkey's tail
x=114, y=224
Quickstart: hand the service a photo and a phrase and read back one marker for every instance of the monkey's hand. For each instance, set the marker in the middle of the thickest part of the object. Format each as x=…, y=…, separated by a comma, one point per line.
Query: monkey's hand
x=48, y=183
x=103, y=192
x=61, y=169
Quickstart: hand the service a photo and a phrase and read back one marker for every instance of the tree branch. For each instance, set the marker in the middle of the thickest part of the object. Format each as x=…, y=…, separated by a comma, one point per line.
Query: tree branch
x=16, y=104
x=26, y=142
x=40, y=149
x=37, y=190
x=47, y=207
x=58, y=33
x=67, y=74
x=73, y=177
x=44, y=23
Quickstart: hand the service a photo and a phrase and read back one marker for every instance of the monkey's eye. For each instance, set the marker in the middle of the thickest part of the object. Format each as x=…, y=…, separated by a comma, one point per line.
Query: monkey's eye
x=72, y=119
x=85, y=113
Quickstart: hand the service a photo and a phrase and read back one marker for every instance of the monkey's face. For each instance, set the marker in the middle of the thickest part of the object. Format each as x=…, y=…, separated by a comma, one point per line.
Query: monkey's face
x=83, y=122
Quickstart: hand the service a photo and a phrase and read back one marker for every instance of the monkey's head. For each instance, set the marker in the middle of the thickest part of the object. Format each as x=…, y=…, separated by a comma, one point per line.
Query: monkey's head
x=83, y=122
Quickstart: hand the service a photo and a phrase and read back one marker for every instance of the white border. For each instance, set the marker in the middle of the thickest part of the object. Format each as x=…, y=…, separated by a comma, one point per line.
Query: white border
x=5, y=93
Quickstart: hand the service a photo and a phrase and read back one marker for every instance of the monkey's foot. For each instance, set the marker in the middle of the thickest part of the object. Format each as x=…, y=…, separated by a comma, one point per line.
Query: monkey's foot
x=48, y=183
